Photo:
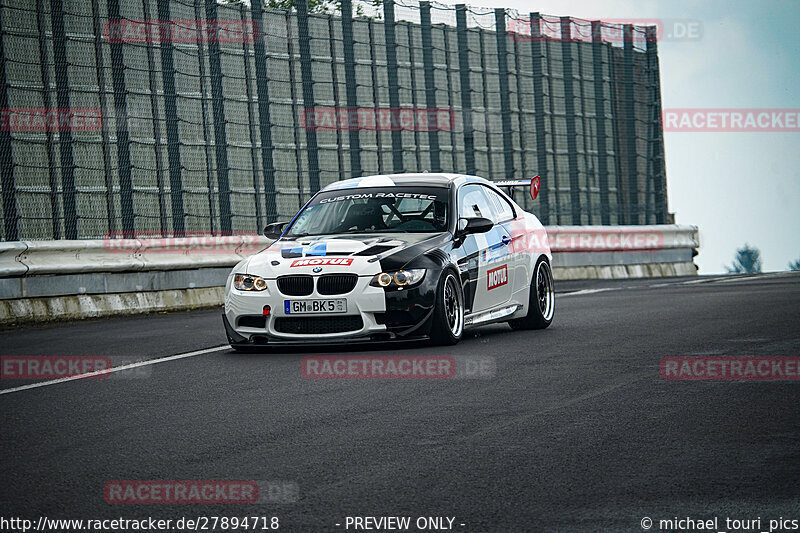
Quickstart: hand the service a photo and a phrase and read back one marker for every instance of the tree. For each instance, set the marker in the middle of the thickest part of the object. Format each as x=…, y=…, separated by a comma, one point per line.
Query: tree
x=747, y=261
x=794, y=265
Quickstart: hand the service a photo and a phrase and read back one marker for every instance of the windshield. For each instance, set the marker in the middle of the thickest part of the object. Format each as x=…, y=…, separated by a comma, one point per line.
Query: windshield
x=374, y=210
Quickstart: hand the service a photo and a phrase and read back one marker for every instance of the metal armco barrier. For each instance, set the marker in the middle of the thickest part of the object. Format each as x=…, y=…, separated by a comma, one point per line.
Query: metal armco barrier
x=46, y=280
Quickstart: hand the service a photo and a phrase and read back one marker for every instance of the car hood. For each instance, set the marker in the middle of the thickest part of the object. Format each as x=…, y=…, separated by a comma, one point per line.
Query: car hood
x=363, y=254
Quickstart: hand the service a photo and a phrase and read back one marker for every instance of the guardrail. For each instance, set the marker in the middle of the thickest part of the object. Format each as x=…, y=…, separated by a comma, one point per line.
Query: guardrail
x=42, y=280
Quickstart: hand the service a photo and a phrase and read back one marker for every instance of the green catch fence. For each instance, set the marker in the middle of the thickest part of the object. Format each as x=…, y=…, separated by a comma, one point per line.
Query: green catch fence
x=171, y=117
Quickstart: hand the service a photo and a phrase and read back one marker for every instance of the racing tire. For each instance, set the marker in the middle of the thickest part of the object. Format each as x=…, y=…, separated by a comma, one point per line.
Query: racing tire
x=542, y=299
x=448, y=314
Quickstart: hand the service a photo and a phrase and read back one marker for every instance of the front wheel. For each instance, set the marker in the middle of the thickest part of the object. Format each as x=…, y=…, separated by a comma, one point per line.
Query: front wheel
x=542, y=299
x=448, y=314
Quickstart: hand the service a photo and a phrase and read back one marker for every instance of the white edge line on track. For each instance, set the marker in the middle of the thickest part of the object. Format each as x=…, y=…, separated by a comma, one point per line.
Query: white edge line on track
x=115, y=369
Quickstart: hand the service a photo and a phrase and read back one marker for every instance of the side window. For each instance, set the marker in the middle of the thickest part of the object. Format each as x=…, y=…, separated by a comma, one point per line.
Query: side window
x=473, y=202
x=504, y=211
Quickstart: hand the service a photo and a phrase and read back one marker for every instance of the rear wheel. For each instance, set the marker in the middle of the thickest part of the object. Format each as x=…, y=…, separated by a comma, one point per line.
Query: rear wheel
x=448, y=314
x=542, y=299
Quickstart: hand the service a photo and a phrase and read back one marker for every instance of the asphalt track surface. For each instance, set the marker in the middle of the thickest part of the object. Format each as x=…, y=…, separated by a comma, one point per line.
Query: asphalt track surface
x=573, y=429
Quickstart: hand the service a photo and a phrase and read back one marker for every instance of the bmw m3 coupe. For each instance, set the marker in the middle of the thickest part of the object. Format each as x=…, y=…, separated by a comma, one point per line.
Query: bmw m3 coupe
x=394, y=257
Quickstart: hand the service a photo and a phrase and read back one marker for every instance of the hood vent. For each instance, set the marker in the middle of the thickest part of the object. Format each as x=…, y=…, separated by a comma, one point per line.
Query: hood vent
x=375, y=250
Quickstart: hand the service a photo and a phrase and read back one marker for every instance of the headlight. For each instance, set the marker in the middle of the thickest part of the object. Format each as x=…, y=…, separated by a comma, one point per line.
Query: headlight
x=401, y=278
x=246, y=282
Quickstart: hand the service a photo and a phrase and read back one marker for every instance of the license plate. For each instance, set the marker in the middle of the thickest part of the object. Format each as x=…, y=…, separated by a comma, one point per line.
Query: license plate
x=308, y=307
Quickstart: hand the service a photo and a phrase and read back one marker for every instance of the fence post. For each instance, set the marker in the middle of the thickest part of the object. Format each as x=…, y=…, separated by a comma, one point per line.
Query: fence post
x=201, y=66
x=600, y=114
x=336, y=99
x=569, y=112
x=298, y=160
x=487, y=119
x=251, y=120
x=162, y=207
x=63, y=105
x=450, y=99
x=630, y=128
x=374, y=72
x=412, y=69
x=51, y=156
x=505, y=97
x=220, y=135
x=430, y=85
x=308, y=93
x=526, y=198
x=265, y=122
x=538, y=106
x=9, y=188
x=466, y=90
x=350, y=84
x=121, y=119
x=394, y=84
x=171, y=122
x=657, y=136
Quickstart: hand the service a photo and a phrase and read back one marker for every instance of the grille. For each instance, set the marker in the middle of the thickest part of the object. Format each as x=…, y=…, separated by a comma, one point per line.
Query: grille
x=296, y=285
x=336, y=283
x=320, y=324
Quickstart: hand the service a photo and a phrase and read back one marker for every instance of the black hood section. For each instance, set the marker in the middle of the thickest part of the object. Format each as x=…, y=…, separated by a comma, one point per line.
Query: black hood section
x=412, y=256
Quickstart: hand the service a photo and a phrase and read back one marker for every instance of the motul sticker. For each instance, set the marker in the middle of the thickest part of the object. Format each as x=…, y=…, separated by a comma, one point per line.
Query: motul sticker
x=497, y=277
x=340, y=261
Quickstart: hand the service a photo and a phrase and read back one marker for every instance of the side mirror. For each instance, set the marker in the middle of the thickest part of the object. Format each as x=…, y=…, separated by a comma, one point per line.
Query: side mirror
x=274, y=230
x=474, y=225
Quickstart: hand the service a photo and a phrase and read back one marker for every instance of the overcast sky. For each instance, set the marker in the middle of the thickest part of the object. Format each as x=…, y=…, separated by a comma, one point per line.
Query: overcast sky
x=737, y=187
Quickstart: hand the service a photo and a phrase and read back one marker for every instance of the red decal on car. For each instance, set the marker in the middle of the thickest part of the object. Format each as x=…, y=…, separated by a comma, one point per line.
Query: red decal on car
x=497, y=277
x=318, y=261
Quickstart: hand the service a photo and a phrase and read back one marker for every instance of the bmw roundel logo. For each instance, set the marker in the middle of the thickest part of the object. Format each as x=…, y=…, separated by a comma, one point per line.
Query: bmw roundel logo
x=317, y=269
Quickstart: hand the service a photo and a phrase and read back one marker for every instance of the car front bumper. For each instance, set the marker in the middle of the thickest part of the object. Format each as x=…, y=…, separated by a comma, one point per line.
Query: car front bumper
x=385, y=315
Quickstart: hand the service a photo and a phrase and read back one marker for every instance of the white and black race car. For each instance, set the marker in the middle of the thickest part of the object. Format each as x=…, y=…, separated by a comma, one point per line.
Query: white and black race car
x=394, y=257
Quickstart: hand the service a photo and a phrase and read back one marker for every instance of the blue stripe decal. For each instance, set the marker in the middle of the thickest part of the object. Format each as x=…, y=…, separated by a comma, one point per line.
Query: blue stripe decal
x=319, y=248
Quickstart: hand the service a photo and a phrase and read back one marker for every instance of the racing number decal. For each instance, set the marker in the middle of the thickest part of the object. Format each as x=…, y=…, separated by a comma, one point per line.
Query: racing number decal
x=496, y=277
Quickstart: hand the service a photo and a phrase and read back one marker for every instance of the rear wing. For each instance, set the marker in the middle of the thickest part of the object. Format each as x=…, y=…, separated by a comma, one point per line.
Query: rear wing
x=533, y=183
